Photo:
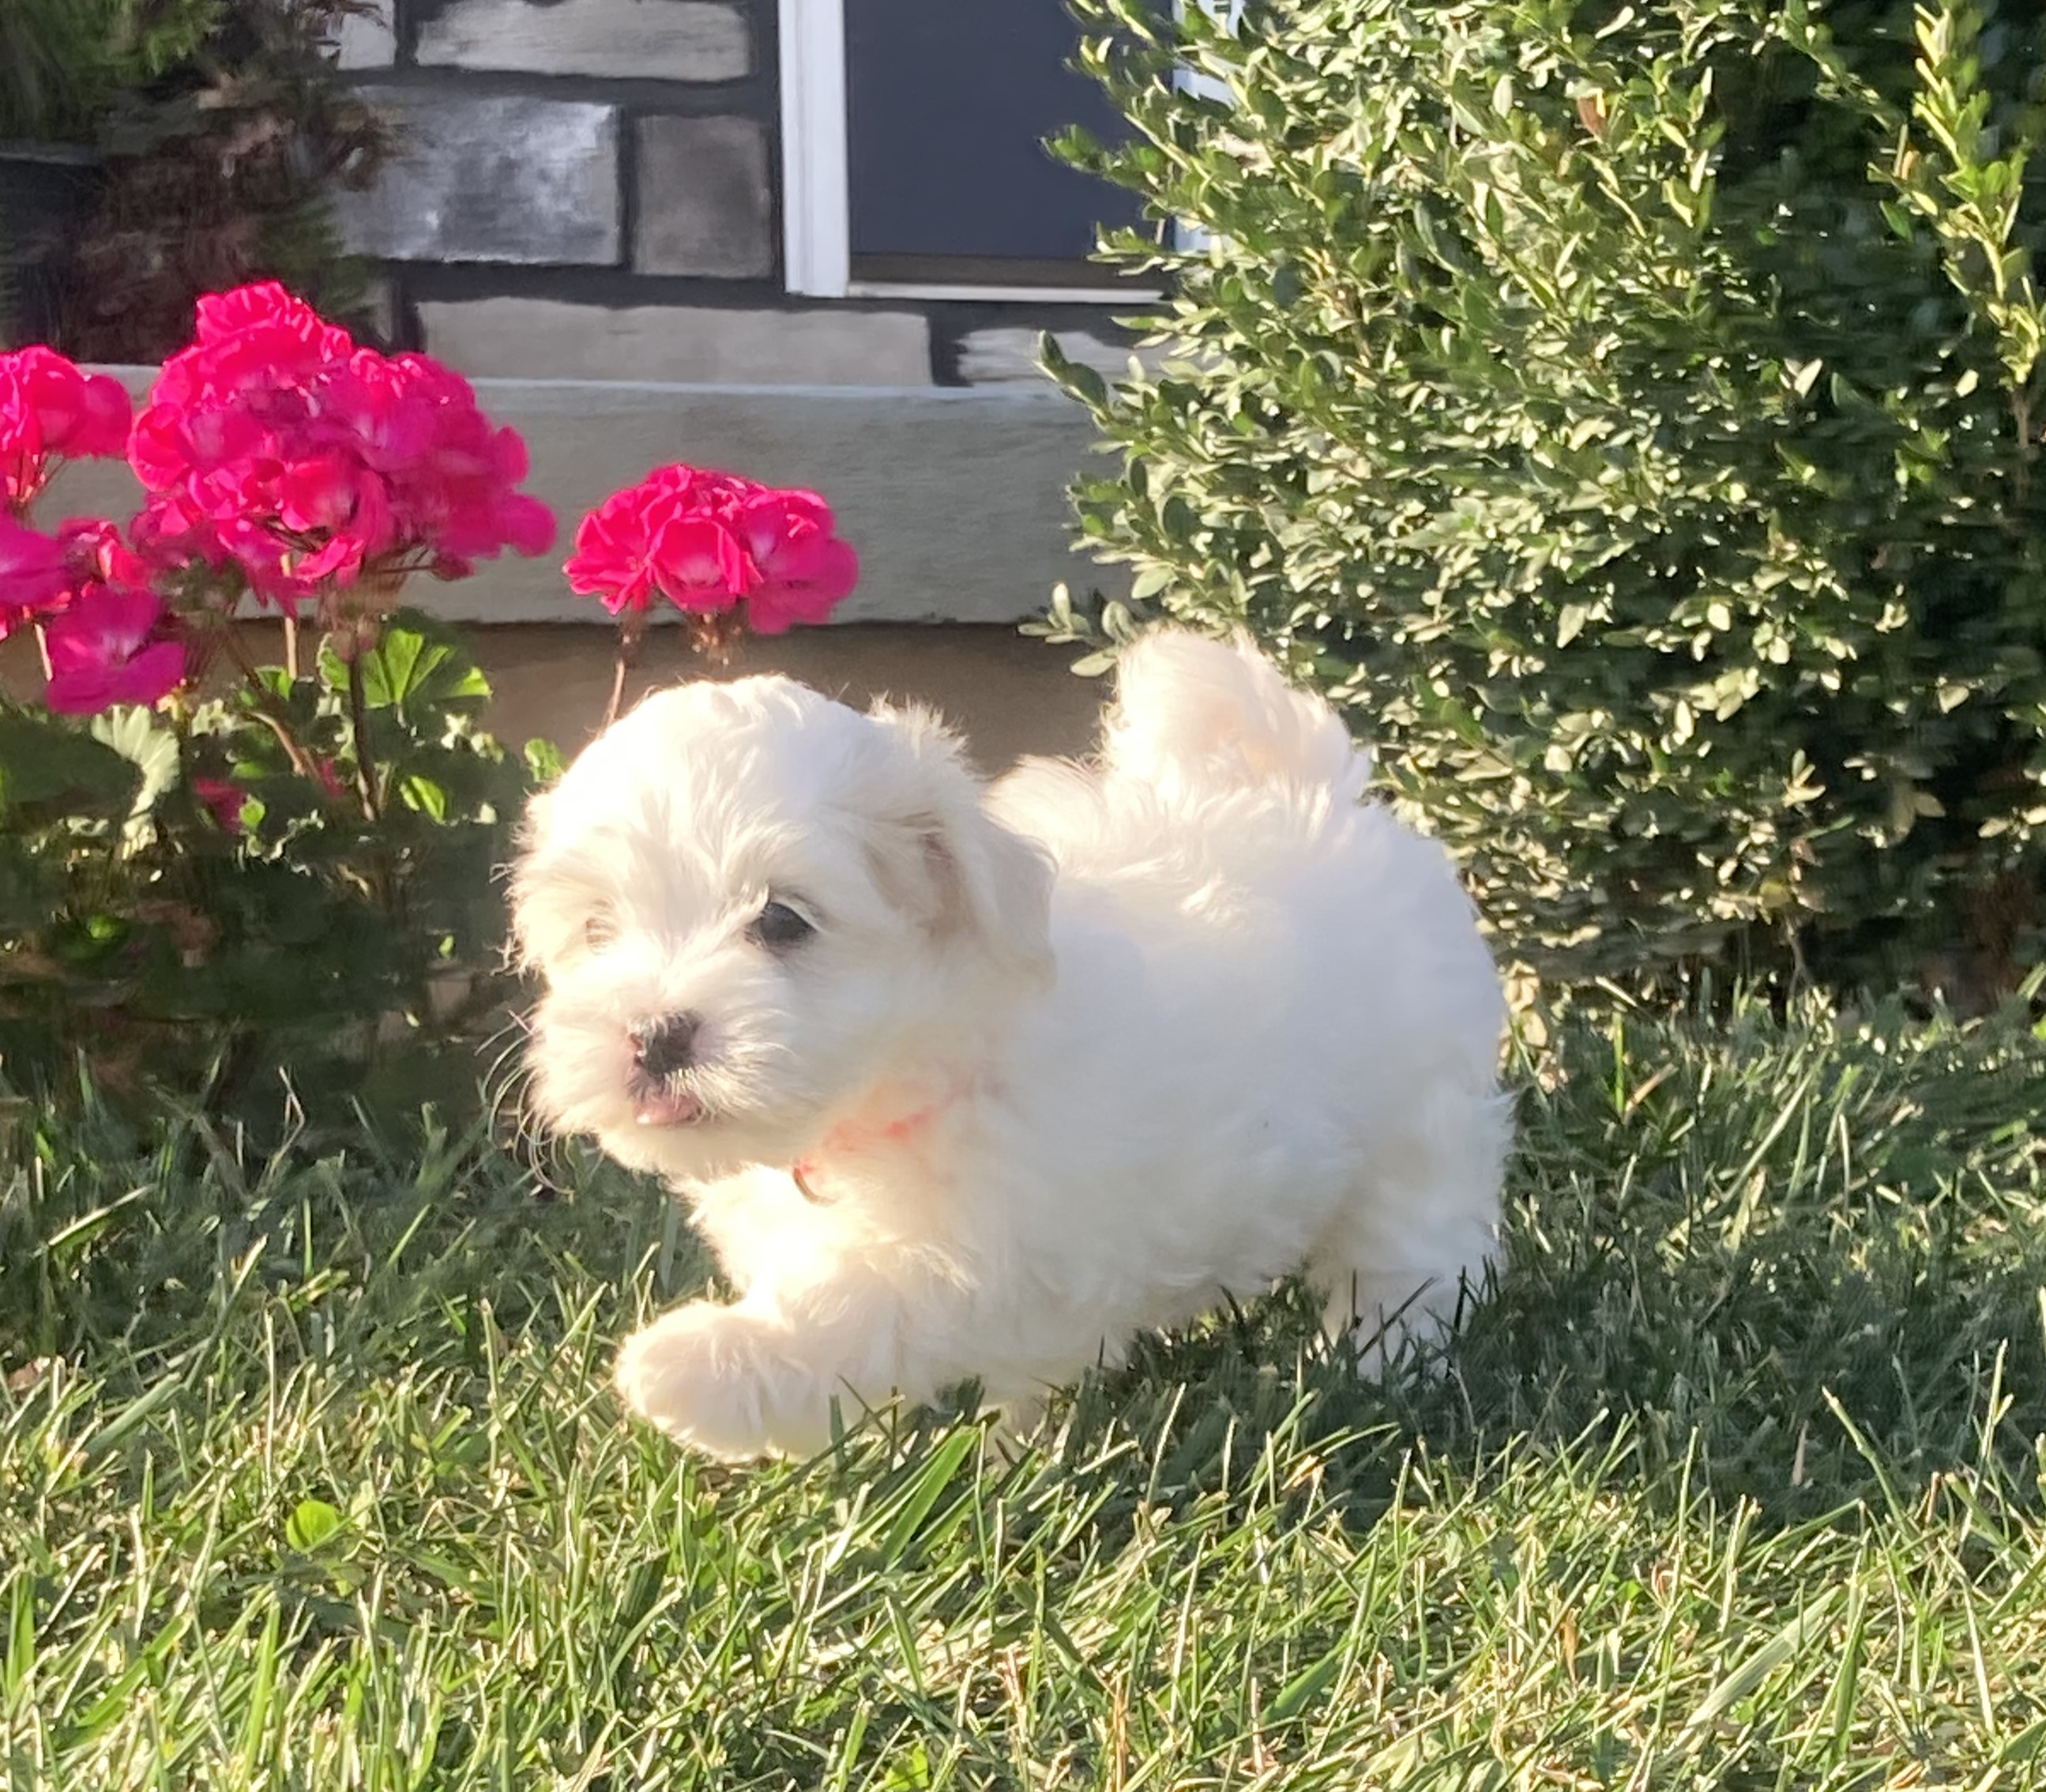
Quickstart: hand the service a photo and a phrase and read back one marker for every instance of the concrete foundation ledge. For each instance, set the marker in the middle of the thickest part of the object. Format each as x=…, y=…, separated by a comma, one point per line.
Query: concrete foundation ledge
x=954, y=497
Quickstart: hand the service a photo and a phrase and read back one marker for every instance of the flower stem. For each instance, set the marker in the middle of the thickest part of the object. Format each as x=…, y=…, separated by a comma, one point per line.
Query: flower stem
x=358, y=728
x=632, y=631
x=266, y=706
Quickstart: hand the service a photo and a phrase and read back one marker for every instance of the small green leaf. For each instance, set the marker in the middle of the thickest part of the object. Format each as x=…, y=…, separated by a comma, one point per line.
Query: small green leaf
x=909, y=1772
x=1075, y=378
x=312, y=1523
x=545, y=762
x=423, y=794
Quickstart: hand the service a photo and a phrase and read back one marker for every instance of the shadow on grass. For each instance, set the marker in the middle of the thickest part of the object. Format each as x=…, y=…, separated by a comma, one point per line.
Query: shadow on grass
x=1751, y=1259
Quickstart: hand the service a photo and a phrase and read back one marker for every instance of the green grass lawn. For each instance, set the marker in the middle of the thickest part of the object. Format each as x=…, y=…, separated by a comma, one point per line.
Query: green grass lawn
x=310, y=1477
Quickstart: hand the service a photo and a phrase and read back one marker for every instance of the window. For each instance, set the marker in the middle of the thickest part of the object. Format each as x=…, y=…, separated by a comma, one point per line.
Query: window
x=912, y=151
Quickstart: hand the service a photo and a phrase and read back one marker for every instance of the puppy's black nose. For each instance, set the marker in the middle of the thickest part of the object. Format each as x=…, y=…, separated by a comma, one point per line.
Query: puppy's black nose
x=662, y=1047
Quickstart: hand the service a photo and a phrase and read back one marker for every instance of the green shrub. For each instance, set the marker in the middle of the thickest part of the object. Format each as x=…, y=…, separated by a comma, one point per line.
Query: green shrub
x=218, y=133
x=64, y=62
x=223, y=171
x=1632, y=415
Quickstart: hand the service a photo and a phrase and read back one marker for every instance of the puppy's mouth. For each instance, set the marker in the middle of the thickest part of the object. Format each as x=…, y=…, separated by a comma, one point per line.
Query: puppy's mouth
x=665, y=1103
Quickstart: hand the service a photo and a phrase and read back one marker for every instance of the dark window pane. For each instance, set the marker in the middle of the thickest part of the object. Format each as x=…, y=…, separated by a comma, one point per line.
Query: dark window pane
x=949, y=104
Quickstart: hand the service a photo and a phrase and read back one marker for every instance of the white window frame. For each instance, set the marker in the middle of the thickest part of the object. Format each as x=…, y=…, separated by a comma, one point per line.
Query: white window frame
x=817, y=193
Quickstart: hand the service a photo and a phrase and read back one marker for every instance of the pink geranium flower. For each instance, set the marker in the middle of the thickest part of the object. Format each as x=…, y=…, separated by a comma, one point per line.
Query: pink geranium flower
x=34, y=573
x=95, y=553
x=804, y=571
x=276, y=445
x=235, y=314
x=83, y=416
x=51, y=410
x=811, y=579
x=106, y=648
x=224, y=801
x=613, y=554
x=658, y=537
x=699, y=564
x=710, y=543
x=21, y=462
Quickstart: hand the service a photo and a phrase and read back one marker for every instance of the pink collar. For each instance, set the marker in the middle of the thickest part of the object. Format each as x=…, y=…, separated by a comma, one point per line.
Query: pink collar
x=857, y=1137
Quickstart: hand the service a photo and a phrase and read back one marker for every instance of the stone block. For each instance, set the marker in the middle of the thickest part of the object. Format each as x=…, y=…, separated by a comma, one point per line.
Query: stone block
x=1008, y=356
x=683, y=345
x=626, y=39
x=705, y=204
x=491, y=178
x=367, y=39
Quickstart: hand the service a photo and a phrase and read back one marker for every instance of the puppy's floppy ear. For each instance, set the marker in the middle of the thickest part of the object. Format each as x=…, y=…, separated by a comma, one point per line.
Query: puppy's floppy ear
x=939, y=855
x=990, y=886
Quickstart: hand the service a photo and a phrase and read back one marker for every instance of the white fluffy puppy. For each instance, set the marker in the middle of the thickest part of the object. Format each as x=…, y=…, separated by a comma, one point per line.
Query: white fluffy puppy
x=979, y=1083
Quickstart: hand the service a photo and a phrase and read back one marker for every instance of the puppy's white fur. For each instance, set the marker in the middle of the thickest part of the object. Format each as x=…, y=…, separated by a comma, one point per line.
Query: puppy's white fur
x=1064, y=1060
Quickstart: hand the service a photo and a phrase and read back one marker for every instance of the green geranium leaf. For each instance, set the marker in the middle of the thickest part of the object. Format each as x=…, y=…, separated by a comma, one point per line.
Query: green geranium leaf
x=426, y=795
x=418, y=665
x=545, y=762
x=50, y=767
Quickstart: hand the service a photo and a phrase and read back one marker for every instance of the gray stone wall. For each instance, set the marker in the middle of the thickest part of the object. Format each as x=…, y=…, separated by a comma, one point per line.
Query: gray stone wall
x=589, y=189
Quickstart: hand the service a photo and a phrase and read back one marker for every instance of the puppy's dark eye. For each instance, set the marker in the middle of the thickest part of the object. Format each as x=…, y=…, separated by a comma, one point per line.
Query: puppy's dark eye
x=778, y=927
x=600, y=931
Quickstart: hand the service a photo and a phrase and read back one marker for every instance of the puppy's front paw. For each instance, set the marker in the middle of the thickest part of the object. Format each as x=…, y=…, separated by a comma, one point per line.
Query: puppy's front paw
x=712, y=1378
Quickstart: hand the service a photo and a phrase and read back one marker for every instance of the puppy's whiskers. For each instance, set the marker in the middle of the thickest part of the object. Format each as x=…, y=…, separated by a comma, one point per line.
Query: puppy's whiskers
x=516, y=1121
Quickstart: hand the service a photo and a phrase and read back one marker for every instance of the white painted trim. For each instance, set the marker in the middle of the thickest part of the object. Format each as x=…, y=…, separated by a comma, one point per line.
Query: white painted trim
x=816, y=210
x=1103, y=295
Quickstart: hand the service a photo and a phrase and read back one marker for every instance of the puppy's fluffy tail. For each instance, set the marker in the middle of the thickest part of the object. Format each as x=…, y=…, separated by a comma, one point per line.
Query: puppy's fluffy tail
x=1196, y=716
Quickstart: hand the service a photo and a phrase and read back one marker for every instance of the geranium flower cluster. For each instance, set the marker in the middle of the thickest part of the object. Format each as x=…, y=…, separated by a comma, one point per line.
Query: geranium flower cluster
x=709, y=542
x=276, y=448
x=280, y=459
x=104, y=638
x=51, y=412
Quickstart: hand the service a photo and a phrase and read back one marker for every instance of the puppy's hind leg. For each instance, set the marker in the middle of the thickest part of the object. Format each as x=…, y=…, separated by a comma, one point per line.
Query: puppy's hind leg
x=1407, y=1254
